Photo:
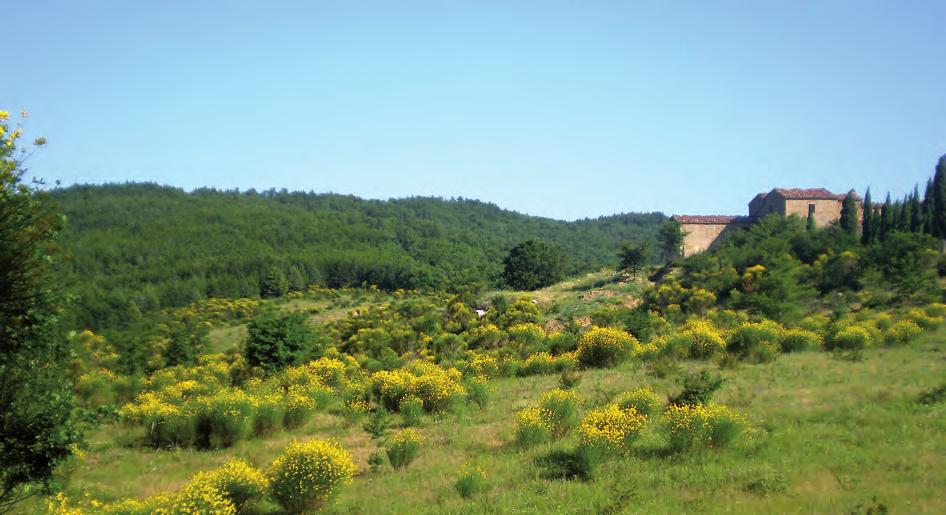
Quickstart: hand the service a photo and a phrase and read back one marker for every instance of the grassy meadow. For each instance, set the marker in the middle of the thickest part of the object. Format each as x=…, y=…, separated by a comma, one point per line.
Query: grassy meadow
x=827, y=434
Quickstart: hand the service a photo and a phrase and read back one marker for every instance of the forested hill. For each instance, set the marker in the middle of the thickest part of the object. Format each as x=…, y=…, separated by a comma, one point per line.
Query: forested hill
x=139, y=247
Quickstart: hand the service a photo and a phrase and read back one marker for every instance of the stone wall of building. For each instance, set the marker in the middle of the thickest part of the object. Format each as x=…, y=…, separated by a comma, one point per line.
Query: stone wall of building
x=704, y=236
x=826, y=211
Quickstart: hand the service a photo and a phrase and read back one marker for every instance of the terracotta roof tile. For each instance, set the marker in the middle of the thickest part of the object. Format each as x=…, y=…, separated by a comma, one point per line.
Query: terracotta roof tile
x=807, y=193
x=709, y=219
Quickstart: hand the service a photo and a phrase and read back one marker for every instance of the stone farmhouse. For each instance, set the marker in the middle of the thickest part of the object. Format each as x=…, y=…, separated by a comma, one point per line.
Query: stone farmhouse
x=706, y=231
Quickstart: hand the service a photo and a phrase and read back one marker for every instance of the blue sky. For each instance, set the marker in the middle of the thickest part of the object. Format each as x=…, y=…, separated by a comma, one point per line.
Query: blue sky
x=560, y=109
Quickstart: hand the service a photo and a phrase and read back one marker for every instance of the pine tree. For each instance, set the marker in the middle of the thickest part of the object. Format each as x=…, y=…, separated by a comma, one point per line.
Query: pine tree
x=916, y=213
x=867, y=233
x=939, y=199
x=274, y=284
x=886, y=218
x=810, y=225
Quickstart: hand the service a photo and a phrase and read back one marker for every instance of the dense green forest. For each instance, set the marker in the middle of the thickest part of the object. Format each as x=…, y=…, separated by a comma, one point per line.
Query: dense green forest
x=140, y=247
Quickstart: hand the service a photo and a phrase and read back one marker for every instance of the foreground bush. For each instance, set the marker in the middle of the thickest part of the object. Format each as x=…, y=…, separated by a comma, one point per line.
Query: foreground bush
x=902, y=332
x=696, y=425
x=611, y=428
x=605, y=347
x=702, y=338
x=471, y=480
x=795, y=340
x=643, y=400
x=238, y=481
x=309, y=474
x=758, y=342
x=403, y=448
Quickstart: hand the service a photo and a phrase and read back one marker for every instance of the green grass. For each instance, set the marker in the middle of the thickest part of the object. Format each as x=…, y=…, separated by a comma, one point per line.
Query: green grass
x=829, y=435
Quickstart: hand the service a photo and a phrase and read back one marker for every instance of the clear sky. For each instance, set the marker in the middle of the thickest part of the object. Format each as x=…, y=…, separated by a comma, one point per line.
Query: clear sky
x=560, y=109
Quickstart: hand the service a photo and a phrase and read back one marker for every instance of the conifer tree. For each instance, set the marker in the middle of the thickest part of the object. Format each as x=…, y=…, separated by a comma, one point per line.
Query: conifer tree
x=916, y=213
x=939, y=199
x=867, y=233
x=810, y=225
x=848, y=220
x=928, y=208
x=886, y=218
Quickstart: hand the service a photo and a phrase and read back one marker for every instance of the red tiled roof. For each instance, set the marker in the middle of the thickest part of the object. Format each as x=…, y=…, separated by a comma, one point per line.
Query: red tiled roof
x=808, y=193
x=708, y=219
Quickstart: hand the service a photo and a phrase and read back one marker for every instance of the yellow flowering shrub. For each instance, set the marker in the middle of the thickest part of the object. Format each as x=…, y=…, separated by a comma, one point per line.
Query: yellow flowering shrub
x=794, y=340
x=481, y=365
x=224, y=417
x=605, y=347
x=644, y=400
x=902, y=332
x=537, y=364
x=923, y=318
x=527, y=338
x=330, y=371
x=298, y=407
x=309, y=474
x=560, y=409
x=852, y=337
x=432, y=384
x=611, y=428
x=702, y=338
x=237, y=480
x=935, y=310
x=532, y=426
x=486, y=336
x=470, y=480
x=165, y=424
x=200, y=499
x=403, y=447
x=690, y=426
x=758, y=342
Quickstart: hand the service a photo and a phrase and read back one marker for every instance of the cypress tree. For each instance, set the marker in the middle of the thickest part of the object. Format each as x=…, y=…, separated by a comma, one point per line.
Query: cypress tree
x=886, y=218
x=848, y=220
x=916, y=213
x=928, y=208
x=867, y=233
x=939, y=199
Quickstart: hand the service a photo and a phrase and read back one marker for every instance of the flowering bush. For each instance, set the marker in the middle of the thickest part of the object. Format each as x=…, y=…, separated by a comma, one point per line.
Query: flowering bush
x=486, y=336
x=902, y=332
x=478, y=364
x=298, y=407
x=702, y=338
x=224, y=417
x=852, y=337
x=923, y=318
x=643, y=400
x=560, y=409
x=758, y=342
x=605, y=347
x=936, y=310
x=433, y=385
x=471, y=480
x=165, y=424
x=237, y=480
x=412, y=410
x=794, y=340
x=309, y=474
x=696, y=425
x=539, y=363
x=611, y=428
x=403, y=447
x=532, y=426
x=527, y=338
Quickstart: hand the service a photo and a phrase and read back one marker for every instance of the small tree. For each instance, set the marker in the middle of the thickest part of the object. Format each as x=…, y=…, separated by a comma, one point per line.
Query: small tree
x=532, y=265
x=848, y=221
x=274, y=283
x=275, y=341
x=37, y=425
x=670, y=237
x=295, y=280
x=633, y=256
x=885, y=226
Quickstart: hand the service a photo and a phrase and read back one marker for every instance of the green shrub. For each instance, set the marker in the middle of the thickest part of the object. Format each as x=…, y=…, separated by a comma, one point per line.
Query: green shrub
x=412, y=411
x=852, y=337
x=610, y=429
x=643, y=400
x=698, y=388
x=902, y=332
x=794, y=340
x=403, y=448
x=924, y=319
x=269, y=415
x=702, y=338
x=758, y=342
x=470, y=481
x=691, y=426
x=531, y=427
x=309, y=474
x=298, y=407
x=560, y=409
x=224, y=418
x=605, y=347
x=477, y=391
